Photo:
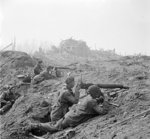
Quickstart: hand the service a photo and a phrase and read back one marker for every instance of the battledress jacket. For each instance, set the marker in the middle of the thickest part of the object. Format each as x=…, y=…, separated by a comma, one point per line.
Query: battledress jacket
x=41, y=77
x=7, y=96
x=85, y=111
x=63, y=103
x=37, y=69
x=7, y=99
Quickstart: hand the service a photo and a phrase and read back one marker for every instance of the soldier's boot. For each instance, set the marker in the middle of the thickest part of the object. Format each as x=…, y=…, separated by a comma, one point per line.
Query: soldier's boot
x=68, y=134
x=1, y=111
x=7, y=106
x=31, y=126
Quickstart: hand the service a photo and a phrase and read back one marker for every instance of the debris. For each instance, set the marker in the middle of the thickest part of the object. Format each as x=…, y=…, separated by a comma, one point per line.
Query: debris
x=20, y=76
x=128, y=119
x=36, y=137
x=113, y=136
x=114, y=104
x=125, y=137
x=113, y=94
x=68, y=134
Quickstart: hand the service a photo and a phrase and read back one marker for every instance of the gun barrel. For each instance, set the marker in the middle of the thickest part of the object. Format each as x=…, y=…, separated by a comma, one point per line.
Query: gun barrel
x=109, y=86
x=64, y=68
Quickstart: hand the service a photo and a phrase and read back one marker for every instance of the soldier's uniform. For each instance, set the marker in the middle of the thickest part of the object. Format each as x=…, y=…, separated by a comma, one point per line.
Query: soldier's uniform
x=83, y=112
x=37, y=69
x=45, y=75
x=65, y=100
x=7, y=99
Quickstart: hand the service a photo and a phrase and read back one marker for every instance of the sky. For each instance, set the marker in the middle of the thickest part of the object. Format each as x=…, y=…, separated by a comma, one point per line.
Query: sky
x=123, y=25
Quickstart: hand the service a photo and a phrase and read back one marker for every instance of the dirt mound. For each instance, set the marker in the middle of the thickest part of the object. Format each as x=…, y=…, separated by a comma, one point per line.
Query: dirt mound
x=25, y=107
x=16, y=59
x=13, y=63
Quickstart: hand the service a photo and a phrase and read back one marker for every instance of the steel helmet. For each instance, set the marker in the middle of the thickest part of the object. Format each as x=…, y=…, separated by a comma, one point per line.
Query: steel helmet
x=94, y=91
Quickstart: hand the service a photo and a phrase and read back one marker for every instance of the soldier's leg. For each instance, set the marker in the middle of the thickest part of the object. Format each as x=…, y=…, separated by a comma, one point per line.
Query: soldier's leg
x=63, y=123
x=44, y=127
x=1, y=111
x=2, y=104
x=56, y=113
x=48, y=127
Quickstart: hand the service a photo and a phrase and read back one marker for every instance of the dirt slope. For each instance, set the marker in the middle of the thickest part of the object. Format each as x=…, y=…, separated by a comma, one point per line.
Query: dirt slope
x=121, y=123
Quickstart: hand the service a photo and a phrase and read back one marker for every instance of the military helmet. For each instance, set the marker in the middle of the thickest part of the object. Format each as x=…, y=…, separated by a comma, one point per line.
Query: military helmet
x=94, y=91
x=40, y=61
x=69, y=79
x=50, y=67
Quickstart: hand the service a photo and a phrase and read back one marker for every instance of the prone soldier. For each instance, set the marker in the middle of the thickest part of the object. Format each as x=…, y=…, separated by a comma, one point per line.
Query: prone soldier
x=7, y=99
x=45, y=75
x=66, y=99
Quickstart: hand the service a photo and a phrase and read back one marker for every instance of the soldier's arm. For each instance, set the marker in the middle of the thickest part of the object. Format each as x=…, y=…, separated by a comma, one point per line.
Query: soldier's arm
x=100, y=109
x=2, y=97
x=40, y=68
x=74, y=99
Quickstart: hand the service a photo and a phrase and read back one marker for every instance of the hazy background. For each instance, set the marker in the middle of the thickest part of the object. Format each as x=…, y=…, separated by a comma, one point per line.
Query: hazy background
x=123, y=25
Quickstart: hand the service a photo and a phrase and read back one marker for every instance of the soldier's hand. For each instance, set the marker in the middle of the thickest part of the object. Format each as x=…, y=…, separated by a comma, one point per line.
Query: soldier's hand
x=68, y=74
x=77, y=88
x=53, y=69
x=8, y=102
x=100, y=100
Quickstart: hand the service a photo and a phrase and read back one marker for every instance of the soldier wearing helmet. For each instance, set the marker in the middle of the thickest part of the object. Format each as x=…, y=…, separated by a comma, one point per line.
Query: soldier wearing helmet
x=66, y=99
x=38, y=68
x=7, y=98
x=45, y=75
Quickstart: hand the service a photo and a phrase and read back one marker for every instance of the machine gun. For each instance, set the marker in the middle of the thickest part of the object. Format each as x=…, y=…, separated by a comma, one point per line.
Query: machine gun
x=63, y=68
x=108, y=86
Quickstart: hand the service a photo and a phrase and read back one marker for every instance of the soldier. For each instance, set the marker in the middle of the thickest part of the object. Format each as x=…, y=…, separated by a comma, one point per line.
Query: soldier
x=57, y=73
x=7, y=99
x=45, y=75
x=38, y=68
x=93, y=105
x=66, y=99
